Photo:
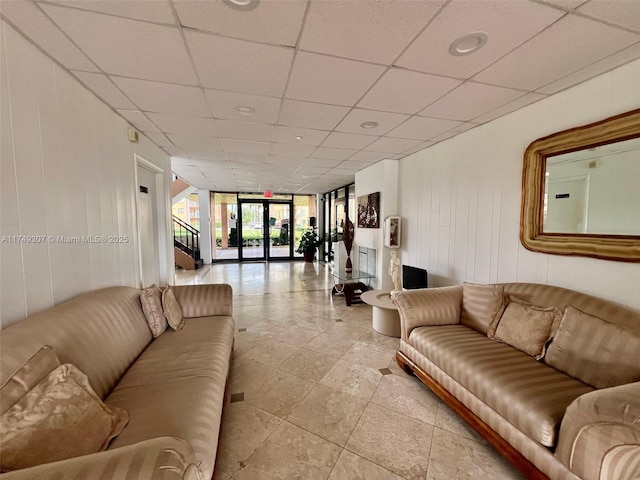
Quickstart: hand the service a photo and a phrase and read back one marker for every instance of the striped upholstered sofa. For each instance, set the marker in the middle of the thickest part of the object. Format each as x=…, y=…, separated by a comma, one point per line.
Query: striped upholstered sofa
x=577, y=419
x=172, y=387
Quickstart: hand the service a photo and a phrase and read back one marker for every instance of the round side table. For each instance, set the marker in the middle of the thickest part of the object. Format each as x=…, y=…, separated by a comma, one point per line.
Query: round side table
x=385, y=313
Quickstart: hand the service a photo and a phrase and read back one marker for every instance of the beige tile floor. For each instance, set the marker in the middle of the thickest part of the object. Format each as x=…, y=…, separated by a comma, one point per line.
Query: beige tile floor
x=316, y=394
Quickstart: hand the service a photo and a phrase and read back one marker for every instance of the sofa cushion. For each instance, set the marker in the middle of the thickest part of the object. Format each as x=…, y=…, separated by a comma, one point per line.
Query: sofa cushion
x=594, y=351
x=180, y=379
x=61, y=417
x=480, y=305
x=171, y=309
x=525, y=326
x=37, y=367
x=151, y=300
x=529, y=394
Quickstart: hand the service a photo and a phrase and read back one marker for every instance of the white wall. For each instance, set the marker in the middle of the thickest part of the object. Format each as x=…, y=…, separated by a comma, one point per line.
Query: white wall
x=460, y=199
x=381, y=177
x=67, y=169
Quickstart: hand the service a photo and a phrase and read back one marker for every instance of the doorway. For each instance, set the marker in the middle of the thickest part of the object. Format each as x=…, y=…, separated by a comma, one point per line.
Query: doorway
x=264, y=230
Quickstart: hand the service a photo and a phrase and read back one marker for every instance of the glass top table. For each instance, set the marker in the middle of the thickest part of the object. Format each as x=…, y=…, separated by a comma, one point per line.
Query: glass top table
x=350, y=284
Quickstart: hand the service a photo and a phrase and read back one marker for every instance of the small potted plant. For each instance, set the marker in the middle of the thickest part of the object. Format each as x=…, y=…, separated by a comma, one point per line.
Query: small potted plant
x=308, y=244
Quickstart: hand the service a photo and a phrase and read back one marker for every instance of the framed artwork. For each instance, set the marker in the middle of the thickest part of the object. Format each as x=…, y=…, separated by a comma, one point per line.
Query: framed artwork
x=369, y=211
x=392, y=228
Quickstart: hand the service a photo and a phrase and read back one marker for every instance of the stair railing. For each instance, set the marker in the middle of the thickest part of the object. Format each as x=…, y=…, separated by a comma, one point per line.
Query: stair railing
x=186, y=238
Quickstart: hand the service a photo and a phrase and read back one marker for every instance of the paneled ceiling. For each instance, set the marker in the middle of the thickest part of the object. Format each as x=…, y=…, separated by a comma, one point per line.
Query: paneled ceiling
x=275, y=97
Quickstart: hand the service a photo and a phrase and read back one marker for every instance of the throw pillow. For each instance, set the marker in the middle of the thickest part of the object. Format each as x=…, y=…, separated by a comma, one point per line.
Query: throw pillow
x=38, y=366
x=61, y=417
x=151, y=300
x=525, y=326
x=172, y=309
x=595, y=351
x=480, y=305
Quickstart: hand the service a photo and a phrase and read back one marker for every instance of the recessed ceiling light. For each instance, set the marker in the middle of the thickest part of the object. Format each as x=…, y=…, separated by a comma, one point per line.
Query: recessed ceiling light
x=244, y=5
x=369, y=124
x=248, y=111
x=299, y=137
x=469, y=43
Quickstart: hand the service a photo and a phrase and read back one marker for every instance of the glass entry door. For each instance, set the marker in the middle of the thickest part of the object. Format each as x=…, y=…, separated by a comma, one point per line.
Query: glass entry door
x=252, y=231
x=279, y=227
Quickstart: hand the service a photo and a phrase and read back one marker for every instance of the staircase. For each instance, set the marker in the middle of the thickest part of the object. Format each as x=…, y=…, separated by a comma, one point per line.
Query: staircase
x=186, y=245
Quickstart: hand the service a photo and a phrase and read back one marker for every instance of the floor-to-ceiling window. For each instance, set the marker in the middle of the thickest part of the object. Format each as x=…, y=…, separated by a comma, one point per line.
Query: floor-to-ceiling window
x=339, y=205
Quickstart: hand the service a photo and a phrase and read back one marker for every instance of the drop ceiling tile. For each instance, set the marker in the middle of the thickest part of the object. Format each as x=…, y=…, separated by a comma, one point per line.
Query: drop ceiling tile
x=321, y=162
x=532, y=66
x=176, y=152
x=309, y=136
x=183, y=125
x=348, y=140
x=105, y=89
x=127, y=47
x=27, y=17
x=311, y=115
x=508, y=24
x=277, y=23
x=565, y=4
x=623, y=12
x=333, y=153
x=284, y=160
x=352, y=122
x=240, y=66
x=251, y=158
x=415, y=149
x=196, y=143
x=392, y=145
x=204, y=155
x=291, y=150
x=158, y=11
x=509, y=107
x=164, y=97
x=244, y=146
x=470, y=100
x=258, y=132
x=336, y=81
x=223, y=106
x=455, y=131
x=354, y=166
x=422, y=128
x=604, y=65
x=159, y=139
x=353, y=29
x=368, y=157
x=402, y=91
x=139, y=120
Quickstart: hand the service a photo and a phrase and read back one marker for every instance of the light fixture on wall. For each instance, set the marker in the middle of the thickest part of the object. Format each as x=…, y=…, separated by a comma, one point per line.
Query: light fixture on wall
x=369, y=125
x=469, y=43
x=244, y=5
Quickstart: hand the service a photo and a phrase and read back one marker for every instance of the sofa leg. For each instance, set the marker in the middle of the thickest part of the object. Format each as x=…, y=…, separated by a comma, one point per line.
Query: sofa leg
x=402, y=363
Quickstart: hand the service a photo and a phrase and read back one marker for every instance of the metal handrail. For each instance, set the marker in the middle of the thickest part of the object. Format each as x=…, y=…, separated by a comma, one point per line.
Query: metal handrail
x=186, y=238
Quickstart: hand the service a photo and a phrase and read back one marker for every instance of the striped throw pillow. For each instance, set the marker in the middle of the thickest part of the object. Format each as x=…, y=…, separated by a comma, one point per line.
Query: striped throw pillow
x=480, y=305
x=594, y=351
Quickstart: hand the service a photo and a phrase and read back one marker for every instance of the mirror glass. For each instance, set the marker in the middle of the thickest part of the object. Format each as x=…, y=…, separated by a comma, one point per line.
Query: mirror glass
x=594, y=190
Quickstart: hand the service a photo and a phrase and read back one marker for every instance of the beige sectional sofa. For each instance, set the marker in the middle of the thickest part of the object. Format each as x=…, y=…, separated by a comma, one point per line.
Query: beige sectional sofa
x=172, y=387
x=548, y=423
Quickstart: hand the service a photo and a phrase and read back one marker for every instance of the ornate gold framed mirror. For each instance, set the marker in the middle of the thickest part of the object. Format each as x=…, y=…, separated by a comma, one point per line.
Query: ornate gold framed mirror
x=581, y=191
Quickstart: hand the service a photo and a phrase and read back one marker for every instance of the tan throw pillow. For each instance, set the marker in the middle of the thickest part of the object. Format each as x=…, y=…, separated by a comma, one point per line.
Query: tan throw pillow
x=480, y=305
x=151, y=300
x=172, y=309
x=525, y=326
x=594, y=351
x=61, y=417
x=38, y=366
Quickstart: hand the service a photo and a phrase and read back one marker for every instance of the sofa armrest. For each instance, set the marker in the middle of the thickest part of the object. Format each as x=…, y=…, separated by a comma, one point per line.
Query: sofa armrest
x=205, y=300
x=594, y=425
x=430, y=306
x=163, y=458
